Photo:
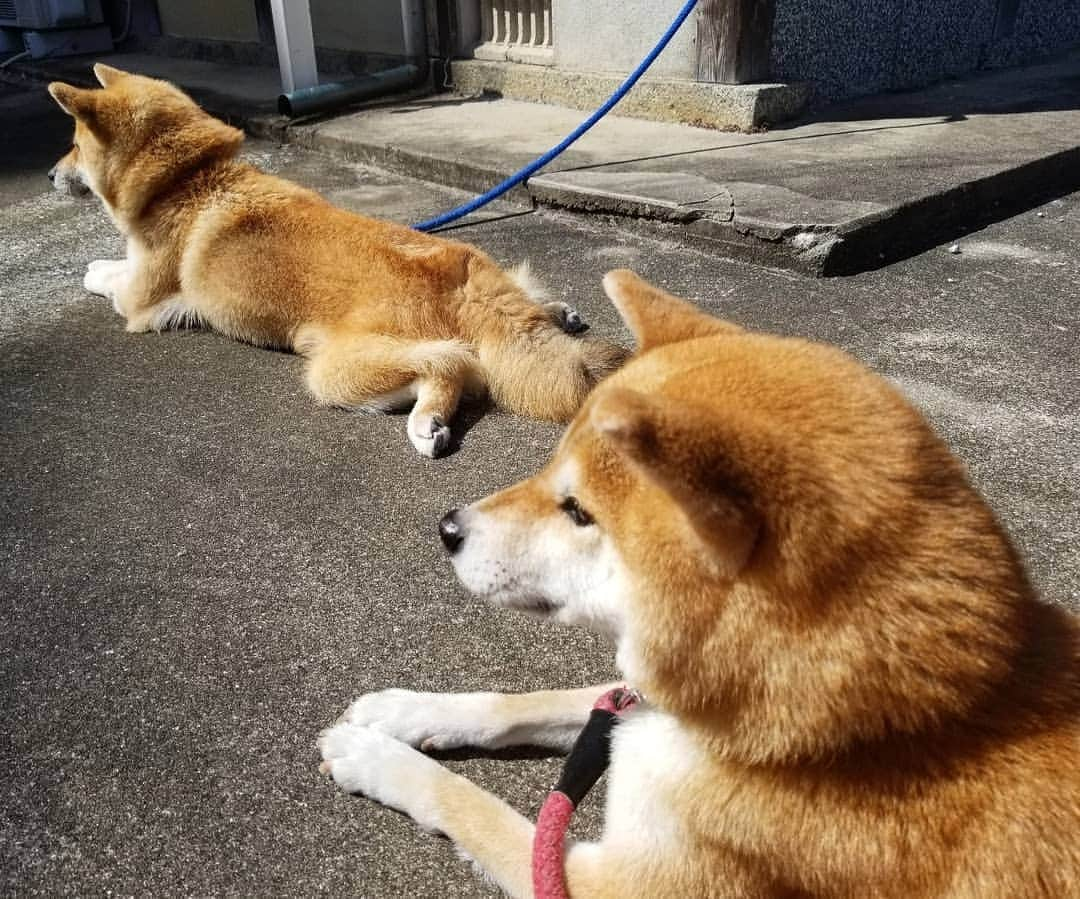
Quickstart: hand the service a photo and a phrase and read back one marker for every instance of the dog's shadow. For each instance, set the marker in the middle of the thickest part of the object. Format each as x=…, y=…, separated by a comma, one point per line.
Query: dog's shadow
x=468, y=416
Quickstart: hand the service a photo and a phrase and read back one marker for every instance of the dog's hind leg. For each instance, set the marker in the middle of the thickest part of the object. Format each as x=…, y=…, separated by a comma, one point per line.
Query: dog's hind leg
x=562, y=314
x=376, y=373
x=566, y=317
x=436, y=402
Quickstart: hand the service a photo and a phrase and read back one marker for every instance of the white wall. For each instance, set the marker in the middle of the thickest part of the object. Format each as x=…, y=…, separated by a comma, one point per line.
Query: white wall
x=614, y=36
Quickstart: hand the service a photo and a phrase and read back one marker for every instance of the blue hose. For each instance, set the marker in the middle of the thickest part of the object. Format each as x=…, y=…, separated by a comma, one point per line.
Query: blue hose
x=538, y=163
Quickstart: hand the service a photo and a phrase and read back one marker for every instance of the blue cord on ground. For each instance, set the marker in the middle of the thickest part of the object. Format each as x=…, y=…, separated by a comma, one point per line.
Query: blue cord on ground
x=540, y=162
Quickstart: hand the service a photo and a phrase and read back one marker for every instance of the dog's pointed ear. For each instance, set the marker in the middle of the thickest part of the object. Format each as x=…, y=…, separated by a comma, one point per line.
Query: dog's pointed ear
x=656, y=317
x=106, y=75
x=75, y=101
x=694, y=461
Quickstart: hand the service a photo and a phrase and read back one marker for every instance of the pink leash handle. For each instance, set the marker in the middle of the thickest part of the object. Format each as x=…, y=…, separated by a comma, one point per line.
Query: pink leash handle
x=549, y=847
x=586, y=762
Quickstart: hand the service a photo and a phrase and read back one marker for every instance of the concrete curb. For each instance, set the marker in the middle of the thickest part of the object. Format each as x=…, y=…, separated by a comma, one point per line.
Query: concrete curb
x=912, y=227
x=860, y=244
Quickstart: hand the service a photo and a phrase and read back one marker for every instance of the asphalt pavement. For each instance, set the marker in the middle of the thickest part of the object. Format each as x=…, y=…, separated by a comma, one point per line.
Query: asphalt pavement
x=199, y=567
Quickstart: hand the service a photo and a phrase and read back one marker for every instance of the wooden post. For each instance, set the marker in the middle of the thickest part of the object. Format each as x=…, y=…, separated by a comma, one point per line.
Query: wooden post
x=734, y=38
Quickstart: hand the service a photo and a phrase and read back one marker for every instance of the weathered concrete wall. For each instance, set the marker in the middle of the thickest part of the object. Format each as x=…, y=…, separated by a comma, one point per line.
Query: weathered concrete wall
x=370, y=26
x=614, y=35
x=222, y=20
x=367, y=26
x=851, y=47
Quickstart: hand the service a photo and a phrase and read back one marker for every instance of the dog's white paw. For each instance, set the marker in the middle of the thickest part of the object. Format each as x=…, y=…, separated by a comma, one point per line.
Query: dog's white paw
x=430, y=721
x=368, y=761
x=103, y=275
x=429, y=434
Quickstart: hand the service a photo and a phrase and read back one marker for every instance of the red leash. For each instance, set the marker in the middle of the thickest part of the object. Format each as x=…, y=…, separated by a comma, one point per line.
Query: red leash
x=586, y=762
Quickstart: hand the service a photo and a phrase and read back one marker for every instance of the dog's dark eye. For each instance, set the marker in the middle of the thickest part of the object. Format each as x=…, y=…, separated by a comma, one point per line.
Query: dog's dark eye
x=578, y=515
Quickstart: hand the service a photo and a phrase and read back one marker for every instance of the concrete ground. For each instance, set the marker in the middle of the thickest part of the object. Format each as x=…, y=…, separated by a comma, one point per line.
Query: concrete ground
x=200, y=568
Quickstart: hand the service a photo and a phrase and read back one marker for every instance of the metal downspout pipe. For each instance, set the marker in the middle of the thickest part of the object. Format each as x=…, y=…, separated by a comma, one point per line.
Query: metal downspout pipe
x=303, y=95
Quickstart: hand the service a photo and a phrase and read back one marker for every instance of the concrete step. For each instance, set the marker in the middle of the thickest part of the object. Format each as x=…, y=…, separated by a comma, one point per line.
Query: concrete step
x=726, y=107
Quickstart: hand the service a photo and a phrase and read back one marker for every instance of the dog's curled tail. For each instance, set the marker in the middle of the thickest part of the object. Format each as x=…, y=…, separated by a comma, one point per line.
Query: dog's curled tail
x=531, y=365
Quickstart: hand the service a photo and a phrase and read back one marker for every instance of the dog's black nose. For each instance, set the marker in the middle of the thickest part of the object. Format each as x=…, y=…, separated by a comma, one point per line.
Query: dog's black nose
x=450, y=532
x=52, y=173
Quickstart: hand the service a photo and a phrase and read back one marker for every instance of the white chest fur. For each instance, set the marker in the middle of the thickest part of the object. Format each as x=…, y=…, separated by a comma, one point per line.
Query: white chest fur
x=652, y=760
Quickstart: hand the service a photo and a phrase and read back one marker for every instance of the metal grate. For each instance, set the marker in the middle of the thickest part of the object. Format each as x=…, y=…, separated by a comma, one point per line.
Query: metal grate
x=7, y=9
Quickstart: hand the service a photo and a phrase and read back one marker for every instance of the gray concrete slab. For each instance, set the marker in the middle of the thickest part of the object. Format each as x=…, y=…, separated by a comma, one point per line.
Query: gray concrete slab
x=199, y=567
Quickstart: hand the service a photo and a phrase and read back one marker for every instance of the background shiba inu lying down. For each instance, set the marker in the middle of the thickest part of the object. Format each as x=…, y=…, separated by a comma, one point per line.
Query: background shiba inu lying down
x=850, y=687
x=386, y=316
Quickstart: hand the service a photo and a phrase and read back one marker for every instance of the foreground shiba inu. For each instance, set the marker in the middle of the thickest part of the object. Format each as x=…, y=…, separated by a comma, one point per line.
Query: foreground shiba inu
x=851, y=690
x=386, y=316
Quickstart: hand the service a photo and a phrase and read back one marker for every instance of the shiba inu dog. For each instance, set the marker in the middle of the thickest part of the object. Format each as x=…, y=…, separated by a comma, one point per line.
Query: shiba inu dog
x=385, y=315
x=850, y=688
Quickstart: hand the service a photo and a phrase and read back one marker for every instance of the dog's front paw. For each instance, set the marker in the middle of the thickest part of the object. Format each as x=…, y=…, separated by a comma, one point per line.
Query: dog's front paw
x=368, y=761
x=431, y=721
x=102, y=277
